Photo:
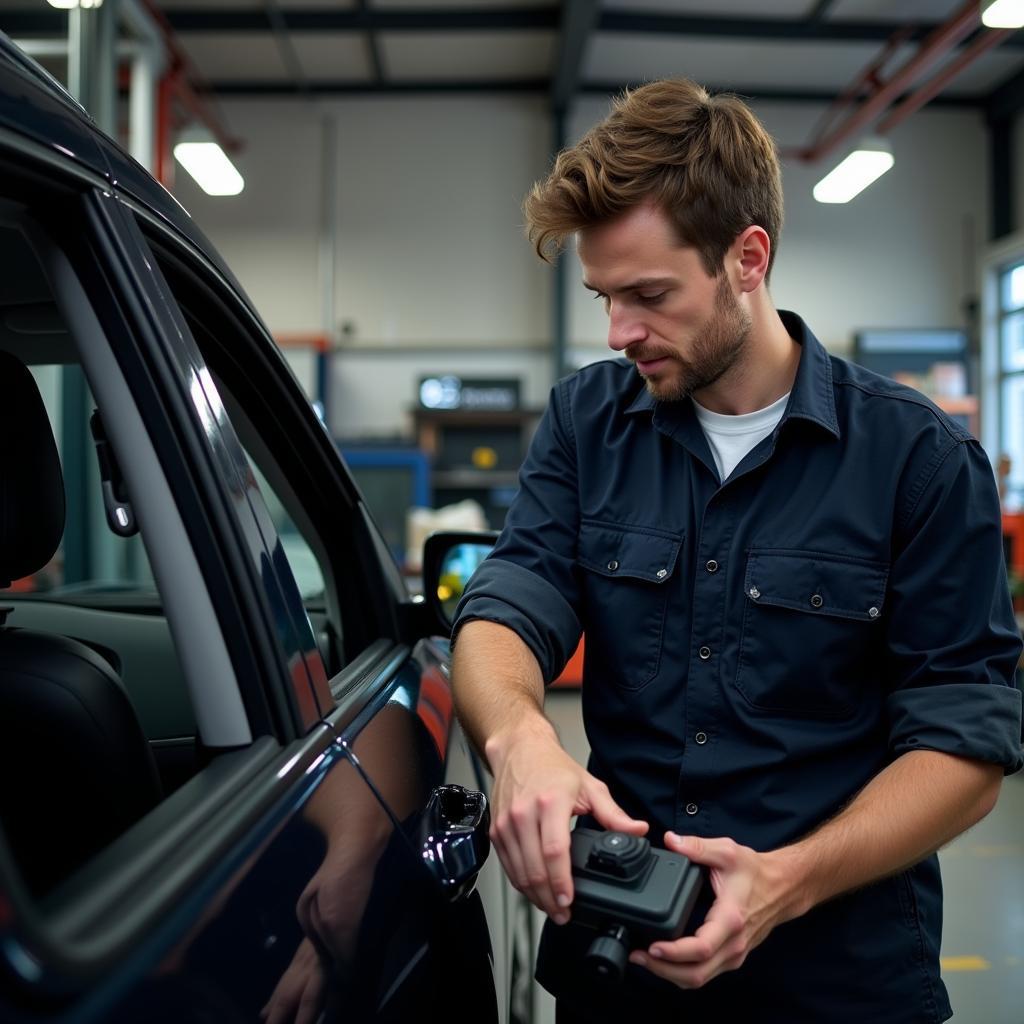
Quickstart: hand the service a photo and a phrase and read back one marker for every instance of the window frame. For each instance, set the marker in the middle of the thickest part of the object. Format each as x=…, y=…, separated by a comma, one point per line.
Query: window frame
x=998, y=260
x=365, y=589
x=114, y=920
x=66, y=941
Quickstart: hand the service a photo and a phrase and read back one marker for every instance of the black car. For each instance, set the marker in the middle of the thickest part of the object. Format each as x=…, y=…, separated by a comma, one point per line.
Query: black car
x=231, y=785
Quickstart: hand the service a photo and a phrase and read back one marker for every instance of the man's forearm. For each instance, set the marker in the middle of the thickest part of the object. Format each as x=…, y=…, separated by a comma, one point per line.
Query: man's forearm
x=498, y=687
x=909, y=810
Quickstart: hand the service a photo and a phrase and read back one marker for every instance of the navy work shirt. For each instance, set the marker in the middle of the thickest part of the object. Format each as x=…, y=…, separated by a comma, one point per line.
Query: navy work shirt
x=757, y=650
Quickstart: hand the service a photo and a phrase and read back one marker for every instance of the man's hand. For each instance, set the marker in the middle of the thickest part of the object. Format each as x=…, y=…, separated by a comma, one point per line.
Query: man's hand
x=302, y=991
x=752, y=896
x=538, y=787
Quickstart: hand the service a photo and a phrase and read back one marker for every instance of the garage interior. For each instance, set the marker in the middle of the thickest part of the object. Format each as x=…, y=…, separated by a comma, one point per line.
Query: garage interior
x=382, y=150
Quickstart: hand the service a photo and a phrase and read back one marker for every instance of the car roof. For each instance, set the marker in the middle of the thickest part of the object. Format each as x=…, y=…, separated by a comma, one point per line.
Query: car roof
x=36, y=106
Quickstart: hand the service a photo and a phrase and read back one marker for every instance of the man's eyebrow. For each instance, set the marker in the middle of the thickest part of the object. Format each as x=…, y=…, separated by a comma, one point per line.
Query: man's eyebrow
x=643, y=282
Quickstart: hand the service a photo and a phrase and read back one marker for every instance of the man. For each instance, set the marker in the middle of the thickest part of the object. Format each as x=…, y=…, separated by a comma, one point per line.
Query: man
x=799, y=642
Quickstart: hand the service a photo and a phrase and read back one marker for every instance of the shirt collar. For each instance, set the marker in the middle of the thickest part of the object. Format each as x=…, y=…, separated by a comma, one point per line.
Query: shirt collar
x=812, y=398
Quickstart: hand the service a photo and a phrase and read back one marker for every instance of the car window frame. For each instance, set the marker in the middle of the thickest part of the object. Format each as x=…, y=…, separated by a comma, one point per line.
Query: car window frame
x=222, y=473
x=126, y=906
x=65, y=941
x=368, y=590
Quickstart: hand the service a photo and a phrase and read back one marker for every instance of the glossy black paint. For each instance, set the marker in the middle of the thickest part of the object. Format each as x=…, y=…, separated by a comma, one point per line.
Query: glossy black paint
x=292, y=869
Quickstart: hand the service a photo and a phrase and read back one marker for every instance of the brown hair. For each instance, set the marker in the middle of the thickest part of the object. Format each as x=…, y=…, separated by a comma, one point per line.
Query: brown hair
x=705, y=160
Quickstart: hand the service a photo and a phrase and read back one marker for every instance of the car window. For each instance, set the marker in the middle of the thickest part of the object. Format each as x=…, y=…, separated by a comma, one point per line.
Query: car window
x=303, y=562
x=319, y=525
x=108, y=635
x=92, y=561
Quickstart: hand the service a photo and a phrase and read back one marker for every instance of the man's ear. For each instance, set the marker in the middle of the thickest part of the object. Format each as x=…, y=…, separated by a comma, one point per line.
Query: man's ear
x=750, y=254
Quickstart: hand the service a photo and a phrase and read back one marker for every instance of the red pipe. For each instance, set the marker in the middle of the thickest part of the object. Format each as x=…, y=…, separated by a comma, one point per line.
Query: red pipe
x=182, y=75
x=165, y=127
x=870, y=76
x=984, y=42
x=939, y=43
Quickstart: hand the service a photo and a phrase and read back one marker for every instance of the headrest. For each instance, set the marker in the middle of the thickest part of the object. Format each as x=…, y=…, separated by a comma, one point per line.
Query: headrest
x=31, y=483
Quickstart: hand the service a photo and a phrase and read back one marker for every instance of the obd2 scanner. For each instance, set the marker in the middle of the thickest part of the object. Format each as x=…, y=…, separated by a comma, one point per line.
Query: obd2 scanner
x=630, y=894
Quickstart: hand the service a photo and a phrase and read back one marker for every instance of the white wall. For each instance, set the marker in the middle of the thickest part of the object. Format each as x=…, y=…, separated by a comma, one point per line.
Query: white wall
x=434, y=275
x=373, y=391
x=430, y=251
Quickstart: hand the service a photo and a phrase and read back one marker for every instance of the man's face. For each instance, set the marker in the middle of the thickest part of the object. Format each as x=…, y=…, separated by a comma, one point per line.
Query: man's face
x=680, y=327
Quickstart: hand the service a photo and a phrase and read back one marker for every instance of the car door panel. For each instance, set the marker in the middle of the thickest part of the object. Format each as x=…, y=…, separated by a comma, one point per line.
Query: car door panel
x=290, y=866
x=333, y=899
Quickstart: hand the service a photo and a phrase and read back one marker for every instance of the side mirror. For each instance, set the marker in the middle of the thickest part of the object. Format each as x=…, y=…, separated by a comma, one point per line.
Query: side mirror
x=449, y=559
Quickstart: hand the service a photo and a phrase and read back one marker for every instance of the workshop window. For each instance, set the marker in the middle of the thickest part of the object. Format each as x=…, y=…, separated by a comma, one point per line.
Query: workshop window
x=1010, y=321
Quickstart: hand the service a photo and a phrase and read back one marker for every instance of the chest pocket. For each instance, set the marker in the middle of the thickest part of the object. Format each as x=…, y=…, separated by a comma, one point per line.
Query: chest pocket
x=811, y=629
x=626, y=579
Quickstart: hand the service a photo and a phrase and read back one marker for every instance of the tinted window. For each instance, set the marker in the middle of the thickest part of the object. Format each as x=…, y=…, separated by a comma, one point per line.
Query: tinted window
x=98, y=725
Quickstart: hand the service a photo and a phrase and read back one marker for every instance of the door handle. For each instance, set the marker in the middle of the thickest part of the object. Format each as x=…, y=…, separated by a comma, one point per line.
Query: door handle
x=455, y=839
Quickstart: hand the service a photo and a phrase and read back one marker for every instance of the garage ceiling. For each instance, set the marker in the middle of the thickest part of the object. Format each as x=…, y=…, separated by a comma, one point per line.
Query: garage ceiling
x=764, y=49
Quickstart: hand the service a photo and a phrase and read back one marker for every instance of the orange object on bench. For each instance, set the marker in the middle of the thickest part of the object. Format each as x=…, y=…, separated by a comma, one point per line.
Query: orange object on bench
x=572, y=674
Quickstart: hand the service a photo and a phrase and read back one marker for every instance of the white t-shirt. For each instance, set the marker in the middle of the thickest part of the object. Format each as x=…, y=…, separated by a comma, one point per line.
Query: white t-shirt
x=731, y=437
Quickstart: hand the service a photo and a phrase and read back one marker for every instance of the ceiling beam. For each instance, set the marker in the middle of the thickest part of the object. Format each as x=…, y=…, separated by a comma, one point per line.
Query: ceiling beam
x=34, y=21
x=372, y=45
x=579, y=17
x=256, y=89
x=39, y=21
x=365, y=17
x=1006, y=99
x=820, y=10
x=283, y=39
x=653, y=23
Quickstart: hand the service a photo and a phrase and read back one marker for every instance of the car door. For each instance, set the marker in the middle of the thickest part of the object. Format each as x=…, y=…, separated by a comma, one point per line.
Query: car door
x=382, y=692
x=285, y=872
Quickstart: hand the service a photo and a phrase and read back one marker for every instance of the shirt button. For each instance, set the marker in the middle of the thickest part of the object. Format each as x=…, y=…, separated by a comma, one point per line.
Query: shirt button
x=692, y=809
x=755, y=593
x=705, y=653
x=701, y=738
x=816, y=601
x=613, y=565
x=873, y=613
x=712, y=566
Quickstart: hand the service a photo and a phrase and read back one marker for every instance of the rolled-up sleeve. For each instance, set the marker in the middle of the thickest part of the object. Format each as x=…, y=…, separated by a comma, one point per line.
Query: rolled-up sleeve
x=529, y=583
x=952, y=641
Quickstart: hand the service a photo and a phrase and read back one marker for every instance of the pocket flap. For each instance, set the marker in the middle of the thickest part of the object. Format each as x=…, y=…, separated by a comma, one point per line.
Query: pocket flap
x=614, y=550
x=820, y=584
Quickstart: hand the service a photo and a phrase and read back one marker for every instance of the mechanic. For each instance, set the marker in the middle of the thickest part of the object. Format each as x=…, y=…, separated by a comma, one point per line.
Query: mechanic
x=799, y=640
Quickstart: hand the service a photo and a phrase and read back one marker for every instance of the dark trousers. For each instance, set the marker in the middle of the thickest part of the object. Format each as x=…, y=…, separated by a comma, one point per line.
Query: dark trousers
x=567, y=1015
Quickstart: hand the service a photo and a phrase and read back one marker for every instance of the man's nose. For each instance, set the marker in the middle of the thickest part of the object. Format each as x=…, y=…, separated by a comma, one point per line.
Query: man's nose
x=624, y=328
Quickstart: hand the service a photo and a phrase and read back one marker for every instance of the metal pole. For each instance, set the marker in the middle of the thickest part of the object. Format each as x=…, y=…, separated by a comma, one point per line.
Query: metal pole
x=102, y=67
x=147, y=67
x=328, y=257
x=76, y=55
x=560, y=308
x=142, y=106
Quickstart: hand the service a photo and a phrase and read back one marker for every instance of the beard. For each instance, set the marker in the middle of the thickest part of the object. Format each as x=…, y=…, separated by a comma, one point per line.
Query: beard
x=715, y=349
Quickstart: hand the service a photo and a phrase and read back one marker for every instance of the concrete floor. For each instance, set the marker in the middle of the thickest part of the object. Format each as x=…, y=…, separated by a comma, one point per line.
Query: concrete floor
x=983, y=872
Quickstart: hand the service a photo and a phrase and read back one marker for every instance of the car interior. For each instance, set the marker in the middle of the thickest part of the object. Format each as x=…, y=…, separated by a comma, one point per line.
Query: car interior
x=94, y=685
x=92, y=694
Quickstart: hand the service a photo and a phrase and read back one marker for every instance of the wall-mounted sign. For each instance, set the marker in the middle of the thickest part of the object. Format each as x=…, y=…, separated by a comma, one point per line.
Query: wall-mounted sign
x=451, y=392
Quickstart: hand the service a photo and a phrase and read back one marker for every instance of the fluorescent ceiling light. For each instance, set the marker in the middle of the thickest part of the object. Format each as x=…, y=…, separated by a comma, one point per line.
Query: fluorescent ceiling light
x=69, y=5
x=868, y=162
x=1003, y=14
x=203, y=158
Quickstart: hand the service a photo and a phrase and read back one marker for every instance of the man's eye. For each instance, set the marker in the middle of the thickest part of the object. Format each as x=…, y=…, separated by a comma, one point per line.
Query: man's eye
x=603, y=298
x=652, y=300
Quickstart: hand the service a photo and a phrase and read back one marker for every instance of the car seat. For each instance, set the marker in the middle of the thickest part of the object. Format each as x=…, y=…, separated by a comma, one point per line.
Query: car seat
x=75, y=767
